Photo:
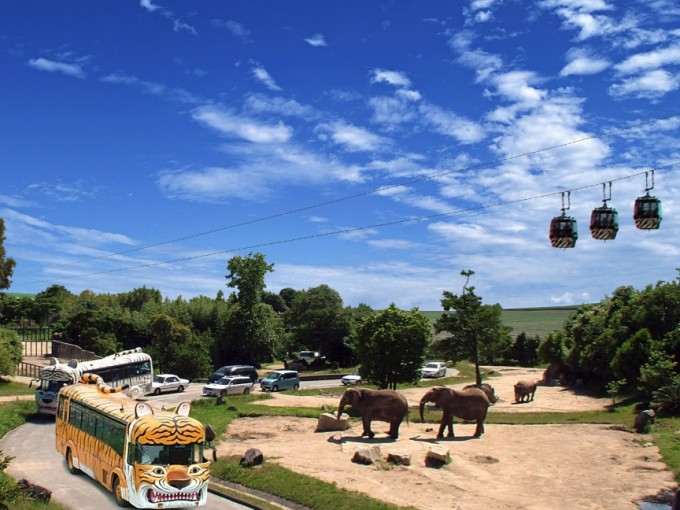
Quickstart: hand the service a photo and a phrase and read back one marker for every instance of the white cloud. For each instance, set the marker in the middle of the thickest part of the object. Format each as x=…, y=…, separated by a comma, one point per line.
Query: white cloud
x=235, y=28
x=391, y=111
x=580, y=63
x=212, y=184
x=579, y=15
x=15, y=202
x=393, y=244
x=394, y=78
x=316, y=40
x=516, y=86
x=148, y=5
x=178, y=25
x=449, y=124
x=650, y=60
x=261, y=75
x=259, y=103
x=652, y=84
x=353, y=138
x=241, y=127
x=52, y=66
x=153, y=88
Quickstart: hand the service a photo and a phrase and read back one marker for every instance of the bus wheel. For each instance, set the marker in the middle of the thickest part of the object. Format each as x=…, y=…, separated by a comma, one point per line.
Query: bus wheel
x=118, y=493
x=69, y=462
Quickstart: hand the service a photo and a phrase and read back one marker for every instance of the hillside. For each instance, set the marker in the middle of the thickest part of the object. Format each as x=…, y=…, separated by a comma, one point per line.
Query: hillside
x=532, y=321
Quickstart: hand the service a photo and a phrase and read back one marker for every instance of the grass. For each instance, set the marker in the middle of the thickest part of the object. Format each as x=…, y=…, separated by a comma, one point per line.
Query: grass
x=11, y=388
x=532, y=321
x=12, y=415
x=301, y=489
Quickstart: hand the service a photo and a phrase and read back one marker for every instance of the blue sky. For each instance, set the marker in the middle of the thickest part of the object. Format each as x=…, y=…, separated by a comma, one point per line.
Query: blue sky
x=376, y=147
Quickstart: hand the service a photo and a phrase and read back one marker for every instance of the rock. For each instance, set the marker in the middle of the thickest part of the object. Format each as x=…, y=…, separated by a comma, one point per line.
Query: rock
x=400, y=459
x=34, y=492
x=252, y=457
x=437, y=457
x=643, y=421
x=367, y=456
x=330, y=422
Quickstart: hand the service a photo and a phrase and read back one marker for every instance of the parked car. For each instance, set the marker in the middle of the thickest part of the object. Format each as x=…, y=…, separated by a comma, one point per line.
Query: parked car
x=280, y=380
x=353, y=378
x=229, y=385
x=168, y=382
x=308, y=356
x=246, y=370
x=434, y=369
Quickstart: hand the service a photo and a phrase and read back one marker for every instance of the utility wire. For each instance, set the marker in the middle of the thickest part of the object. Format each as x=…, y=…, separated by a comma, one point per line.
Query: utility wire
x=371, y=192
x=366, y=227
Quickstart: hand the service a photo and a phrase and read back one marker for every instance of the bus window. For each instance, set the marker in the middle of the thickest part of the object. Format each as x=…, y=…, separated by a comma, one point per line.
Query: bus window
x=166, y=455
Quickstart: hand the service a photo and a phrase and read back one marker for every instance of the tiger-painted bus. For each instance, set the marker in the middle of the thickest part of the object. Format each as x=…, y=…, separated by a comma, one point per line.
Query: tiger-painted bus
x=146, y=457
x=132, y=367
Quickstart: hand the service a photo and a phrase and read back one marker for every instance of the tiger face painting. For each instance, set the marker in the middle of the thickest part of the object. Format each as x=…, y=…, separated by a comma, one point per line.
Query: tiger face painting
x=169, y=465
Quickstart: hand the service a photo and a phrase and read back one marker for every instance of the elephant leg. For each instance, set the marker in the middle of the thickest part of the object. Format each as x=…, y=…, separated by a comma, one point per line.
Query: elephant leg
x=367, y=427
x=480, y=428
x=394, y=430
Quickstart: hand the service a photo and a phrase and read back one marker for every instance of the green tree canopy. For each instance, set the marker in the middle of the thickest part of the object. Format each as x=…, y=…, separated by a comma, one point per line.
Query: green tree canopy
x=391, y=346
x=6, y=263
x=318, y=321
x=175, y=350
x=475, y=331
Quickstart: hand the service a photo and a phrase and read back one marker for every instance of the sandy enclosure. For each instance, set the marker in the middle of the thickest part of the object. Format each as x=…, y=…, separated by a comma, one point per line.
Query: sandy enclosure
x=547, y=467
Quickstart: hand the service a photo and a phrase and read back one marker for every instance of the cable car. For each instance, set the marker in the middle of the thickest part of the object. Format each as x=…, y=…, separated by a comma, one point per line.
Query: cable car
x=563, y=229
x=647, y=209
x=604, y=221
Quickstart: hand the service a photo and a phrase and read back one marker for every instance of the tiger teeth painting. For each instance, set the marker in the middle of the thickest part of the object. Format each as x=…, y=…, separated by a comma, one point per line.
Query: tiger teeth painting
x=145, y=457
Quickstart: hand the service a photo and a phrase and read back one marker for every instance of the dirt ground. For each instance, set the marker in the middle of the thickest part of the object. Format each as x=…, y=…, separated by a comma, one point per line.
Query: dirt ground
x=546, y=467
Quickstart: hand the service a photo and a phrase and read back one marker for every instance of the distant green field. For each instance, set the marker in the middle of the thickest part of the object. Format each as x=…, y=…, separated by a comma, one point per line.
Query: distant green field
x=532, y=321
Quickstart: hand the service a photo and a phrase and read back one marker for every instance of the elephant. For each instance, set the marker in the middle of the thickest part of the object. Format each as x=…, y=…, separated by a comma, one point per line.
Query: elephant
x=381, y=405
x=467, y=404
x=525, y=389
x=487, y=389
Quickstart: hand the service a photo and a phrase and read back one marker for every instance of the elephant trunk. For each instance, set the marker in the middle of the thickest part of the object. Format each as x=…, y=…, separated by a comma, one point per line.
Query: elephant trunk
x=341, y=407
x=421, y=408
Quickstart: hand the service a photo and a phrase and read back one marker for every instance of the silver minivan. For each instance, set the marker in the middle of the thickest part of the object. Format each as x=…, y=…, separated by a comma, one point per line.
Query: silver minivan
x=280, y=380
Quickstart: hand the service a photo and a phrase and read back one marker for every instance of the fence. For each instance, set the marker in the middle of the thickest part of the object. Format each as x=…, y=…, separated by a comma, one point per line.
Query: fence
x=28, y=370
x=32, y=334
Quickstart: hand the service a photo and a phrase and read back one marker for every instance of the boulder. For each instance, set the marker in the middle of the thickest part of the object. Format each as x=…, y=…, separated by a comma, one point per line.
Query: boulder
x=252, y=457
x=367, y=456
x=400, y=459
x=330, y=422
x=643, y=421
x=437, y=456
x=34, y=492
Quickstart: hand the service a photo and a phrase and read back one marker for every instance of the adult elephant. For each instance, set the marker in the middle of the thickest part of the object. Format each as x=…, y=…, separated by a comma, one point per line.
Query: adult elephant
x=380, y=405
x=467, y=404
x=525, y=390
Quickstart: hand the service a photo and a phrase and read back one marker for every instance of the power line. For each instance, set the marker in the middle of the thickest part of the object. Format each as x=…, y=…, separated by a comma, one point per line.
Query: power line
x=368, y=193
x=366, y=227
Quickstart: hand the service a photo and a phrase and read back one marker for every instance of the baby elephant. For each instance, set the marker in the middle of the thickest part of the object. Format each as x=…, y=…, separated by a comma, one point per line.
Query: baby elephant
x=525, y=390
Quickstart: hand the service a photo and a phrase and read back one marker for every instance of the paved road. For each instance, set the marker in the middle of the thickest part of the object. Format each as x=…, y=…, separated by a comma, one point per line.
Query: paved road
x=37, y=460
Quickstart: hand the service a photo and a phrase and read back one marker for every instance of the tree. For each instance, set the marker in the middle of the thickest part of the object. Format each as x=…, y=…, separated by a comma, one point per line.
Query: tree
x=176, y=350
x=250, y=330
x=6, y=263
x=391, y=345
x=318, y=321
x=474, y=329
x=10, y=352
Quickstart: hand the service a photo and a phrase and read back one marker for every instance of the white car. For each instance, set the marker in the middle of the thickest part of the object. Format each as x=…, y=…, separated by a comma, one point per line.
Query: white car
x=168, y=382
x=229, y=385
x=353, y=378
x=434, y=369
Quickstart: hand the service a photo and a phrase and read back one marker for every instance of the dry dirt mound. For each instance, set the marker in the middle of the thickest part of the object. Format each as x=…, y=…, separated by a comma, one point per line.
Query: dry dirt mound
x=549, y=467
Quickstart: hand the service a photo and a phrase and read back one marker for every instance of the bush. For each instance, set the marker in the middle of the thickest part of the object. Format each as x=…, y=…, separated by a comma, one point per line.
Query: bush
x=667, y=398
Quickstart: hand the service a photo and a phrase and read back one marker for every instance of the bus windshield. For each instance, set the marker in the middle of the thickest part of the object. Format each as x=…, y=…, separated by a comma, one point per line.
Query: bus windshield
x=54, y=386
x=181, y=454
